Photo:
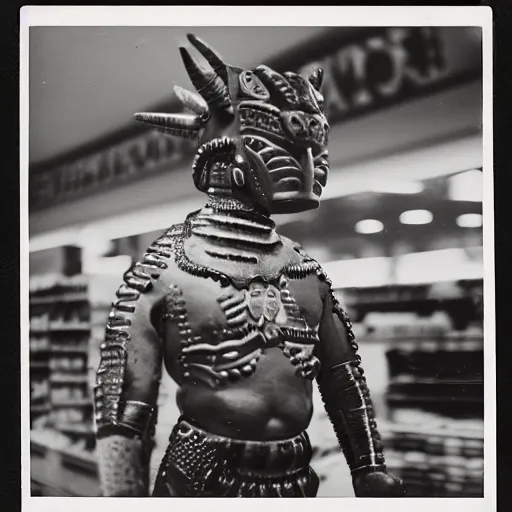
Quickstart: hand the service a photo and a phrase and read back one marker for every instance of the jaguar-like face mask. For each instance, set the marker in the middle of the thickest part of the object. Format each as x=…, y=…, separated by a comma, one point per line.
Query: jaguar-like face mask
x=263, y=136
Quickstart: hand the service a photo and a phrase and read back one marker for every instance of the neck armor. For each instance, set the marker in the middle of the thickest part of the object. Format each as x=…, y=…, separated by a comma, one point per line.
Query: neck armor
x=262, y=136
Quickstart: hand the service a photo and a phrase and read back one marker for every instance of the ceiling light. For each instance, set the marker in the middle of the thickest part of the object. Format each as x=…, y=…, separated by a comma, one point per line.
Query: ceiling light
x=115, y=265
x=358, y=273
x=436, y=266
x=469, y=220
x=466, y=186
x=368, y=226
x=396, y=187
x=416, y=217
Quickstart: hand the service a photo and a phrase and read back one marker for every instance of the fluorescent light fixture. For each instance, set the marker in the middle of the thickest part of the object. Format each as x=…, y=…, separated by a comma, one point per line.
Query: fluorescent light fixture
x=52, y=239
x=344, y=179
x=129, y=224
x=416, y=217
x=359, y=273
x=469, y=220
x=369, y=226
x=94, y=244
x=437, y=266
x=396, y=187
x=106, y=266
x=429, y=162
x=466, y=186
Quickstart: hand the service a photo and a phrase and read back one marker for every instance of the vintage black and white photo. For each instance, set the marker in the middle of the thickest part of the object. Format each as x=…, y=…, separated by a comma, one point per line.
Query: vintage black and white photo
x=256, y=256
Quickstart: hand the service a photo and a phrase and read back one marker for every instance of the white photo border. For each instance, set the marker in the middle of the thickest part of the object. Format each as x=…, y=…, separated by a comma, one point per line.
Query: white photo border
x=266, y=16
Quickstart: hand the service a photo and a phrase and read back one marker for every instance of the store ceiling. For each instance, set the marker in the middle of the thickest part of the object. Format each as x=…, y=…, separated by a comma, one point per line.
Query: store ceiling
x=86, y=82
x=332, y=227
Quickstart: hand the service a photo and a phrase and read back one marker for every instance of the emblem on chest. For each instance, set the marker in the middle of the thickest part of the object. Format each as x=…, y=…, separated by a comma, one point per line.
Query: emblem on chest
x=265, y=305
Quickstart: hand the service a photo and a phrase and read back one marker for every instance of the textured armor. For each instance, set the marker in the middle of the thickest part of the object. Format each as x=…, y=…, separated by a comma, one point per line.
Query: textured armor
x=242, y=317
x=199, y=464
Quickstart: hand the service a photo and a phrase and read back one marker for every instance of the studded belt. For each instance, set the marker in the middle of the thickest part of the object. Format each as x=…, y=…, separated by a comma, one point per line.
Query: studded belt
x=201, y=460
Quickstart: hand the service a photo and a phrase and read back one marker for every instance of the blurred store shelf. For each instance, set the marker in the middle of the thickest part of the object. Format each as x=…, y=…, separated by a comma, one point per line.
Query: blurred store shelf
x=62, y=471
x=59, y=337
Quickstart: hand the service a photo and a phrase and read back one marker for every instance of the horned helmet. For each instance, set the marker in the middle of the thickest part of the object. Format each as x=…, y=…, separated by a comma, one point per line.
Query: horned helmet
x=262, y=136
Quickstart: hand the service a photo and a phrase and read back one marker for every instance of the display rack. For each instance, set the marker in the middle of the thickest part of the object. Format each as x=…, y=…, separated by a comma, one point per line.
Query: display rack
x=61, y=408
x=434, y=423
x=442, y=380
x=59, y=336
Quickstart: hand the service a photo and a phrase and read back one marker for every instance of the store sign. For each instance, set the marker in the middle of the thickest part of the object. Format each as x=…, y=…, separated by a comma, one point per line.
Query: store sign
x=384, y=69
x=398, y=64
x=132, y=160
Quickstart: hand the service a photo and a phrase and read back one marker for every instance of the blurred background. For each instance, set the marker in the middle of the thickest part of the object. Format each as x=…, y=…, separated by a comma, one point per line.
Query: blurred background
x=399, y=230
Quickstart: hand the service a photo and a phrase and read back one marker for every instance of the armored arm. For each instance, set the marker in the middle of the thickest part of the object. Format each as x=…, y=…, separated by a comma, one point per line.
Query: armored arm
x=128, y=380
x=347, y=401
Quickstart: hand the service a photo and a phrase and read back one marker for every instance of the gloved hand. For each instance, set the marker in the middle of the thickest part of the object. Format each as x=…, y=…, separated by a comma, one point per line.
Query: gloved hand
x=378, y=485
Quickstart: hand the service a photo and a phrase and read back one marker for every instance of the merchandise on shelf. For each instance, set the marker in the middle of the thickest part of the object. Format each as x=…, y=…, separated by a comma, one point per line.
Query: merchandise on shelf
x=433, y=431
x=59, y=338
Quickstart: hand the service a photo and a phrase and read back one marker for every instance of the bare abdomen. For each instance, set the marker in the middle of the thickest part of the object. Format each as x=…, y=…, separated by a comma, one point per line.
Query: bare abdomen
x=271, y=404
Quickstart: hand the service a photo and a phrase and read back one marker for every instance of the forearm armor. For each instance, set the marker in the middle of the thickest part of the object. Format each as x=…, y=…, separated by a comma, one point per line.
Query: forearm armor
x=124, y=451
x=347, y=402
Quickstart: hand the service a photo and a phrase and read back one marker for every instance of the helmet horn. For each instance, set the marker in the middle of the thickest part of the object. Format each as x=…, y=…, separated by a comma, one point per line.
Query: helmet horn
x=180, y=125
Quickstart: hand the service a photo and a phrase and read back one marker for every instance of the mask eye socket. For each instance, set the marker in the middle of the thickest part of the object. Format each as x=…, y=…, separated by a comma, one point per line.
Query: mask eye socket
x=252, y=86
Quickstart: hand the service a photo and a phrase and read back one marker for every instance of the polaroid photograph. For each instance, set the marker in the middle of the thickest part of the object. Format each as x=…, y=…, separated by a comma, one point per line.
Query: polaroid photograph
x=257, y=257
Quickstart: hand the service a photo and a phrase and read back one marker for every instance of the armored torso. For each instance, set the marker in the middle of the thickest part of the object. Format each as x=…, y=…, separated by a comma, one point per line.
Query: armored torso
x=228, y=302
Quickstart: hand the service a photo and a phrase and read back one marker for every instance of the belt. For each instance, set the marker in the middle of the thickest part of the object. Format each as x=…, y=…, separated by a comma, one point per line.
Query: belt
x=204, y=464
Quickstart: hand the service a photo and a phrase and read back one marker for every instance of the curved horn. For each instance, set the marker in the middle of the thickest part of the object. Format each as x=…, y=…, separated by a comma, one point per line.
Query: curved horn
x=180, y=125
x=192, y=101
x=213, y=58
x=316, y=78
x=208, y=84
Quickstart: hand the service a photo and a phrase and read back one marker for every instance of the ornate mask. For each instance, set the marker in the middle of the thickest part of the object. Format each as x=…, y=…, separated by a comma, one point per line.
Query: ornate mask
x=262, y=136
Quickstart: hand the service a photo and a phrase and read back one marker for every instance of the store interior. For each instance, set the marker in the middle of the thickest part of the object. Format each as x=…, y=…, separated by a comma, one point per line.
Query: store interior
x=400, y=234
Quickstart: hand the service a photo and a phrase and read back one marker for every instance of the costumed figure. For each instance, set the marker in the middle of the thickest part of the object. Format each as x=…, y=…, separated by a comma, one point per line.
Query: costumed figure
x=242, y=318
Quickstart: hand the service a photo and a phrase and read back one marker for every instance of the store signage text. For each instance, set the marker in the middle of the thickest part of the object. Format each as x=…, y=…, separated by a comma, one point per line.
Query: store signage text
x=397, y=64
x=119, y=164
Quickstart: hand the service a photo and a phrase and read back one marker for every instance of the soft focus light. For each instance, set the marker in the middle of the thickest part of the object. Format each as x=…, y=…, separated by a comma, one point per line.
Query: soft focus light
x=319, y=253
x=466, y=186
x=58, y=238
x=106, y=266
x=469, y=220
x=396, y=187
x=96, y=246
x=416, y=217
x=437, y=266
x=368, y=226
x=127, y=224
x=361, y=272
x=430, y=162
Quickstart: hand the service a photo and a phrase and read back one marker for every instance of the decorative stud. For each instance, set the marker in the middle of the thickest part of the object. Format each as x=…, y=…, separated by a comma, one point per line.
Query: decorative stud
x=238, y=177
